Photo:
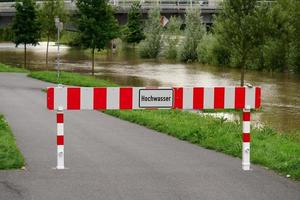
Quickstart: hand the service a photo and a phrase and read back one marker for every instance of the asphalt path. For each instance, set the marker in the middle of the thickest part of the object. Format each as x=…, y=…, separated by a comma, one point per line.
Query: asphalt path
x=111, y=159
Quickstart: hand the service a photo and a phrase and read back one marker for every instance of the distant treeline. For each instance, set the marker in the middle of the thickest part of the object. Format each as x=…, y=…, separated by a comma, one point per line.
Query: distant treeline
x=246, y=34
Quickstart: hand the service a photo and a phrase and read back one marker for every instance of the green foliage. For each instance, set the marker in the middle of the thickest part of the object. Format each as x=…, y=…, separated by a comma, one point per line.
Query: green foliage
x=49, y=10
x=151, y=46
x=6, y=68
x=134, y=28
x=236, y=27
x=171, y=37
x=10, y=155
x=6, y=34
x=194, y=32
x=96, y=23
x=26, y=27
x=206, y=49
x=265, y=37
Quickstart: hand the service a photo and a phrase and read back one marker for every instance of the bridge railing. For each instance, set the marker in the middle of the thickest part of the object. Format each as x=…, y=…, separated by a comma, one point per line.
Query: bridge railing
x=7, y=5
x=168, y=4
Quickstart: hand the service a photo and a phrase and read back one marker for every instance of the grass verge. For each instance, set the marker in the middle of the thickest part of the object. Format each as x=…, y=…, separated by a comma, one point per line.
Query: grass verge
x=274, y=150
x=10, y=156
x=6, y=68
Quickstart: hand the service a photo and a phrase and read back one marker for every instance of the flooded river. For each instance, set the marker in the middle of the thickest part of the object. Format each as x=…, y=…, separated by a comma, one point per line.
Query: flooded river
x=280, y=92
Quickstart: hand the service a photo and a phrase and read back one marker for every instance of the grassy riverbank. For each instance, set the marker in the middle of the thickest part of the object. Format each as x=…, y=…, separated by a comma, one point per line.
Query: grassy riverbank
x=6, y=68
x=274, y=150
x=10, y=156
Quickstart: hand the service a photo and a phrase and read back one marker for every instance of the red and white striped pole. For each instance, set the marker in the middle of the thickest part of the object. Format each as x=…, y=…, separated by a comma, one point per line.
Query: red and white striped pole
x=60, y=139
x=246, y=138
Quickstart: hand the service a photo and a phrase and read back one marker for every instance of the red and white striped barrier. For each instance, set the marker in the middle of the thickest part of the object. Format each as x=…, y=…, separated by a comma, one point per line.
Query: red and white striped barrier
x=130, y=98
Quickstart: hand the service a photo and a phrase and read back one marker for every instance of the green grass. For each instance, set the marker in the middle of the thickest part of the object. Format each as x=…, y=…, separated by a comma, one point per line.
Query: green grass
x=68, y=78
x=6, y=68
x=10, y=156
x=274, y=150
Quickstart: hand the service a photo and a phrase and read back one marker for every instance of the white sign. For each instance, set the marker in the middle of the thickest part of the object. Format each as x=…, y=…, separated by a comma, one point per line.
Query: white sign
x=156, y=98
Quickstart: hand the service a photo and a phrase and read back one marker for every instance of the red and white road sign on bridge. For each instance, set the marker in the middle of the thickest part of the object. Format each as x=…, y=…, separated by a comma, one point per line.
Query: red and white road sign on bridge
x=131, y=98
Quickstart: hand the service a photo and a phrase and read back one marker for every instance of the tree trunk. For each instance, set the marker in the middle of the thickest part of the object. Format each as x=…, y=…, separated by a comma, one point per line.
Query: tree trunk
x=93, y=61
x=47, y=50
x=25, y=56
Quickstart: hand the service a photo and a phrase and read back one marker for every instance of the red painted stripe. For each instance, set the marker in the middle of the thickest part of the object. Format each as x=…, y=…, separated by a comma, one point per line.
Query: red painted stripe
x=100, y=98
x=125, y=98
x=240, y=97
x=246, y=116
x=246, y=137
x=60, y=140
x=178, y=98
x=59, y=118
x=73, y=96
x=257, y=97
x=50, y=98
x=219, y=96
x=198, y=98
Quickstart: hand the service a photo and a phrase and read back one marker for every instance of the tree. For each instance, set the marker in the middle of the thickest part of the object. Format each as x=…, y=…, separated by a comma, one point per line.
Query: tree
x=26, y=27
x=194, y=32
x=172, y=37
x=236, y=26
x=49, y=10
x=96, y=24
x=134, y=32
x=151, y=46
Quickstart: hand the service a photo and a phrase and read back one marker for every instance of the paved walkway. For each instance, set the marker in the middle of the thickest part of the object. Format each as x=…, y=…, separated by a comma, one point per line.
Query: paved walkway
x=111, y=159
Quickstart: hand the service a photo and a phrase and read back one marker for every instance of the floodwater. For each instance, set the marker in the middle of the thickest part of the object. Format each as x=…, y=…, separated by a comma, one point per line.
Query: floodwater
x=280, y=92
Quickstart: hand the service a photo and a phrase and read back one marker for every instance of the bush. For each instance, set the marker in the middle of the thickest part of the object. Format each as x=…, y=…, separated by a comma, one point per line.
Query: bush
x=6, y=34
x=172, y=37
x=205, y=49
x=194, y=32
x=151, y=46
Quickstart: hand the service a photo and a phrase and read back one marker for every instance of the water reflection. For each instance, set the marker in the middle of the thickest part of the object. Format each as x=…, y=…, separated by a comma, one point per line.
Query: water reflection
x=281, y=97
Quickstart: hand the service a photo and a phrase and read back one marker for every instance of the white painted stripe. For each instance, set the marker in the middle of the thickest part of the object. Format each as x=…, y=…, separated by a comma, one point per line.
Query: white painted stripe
x=208, y=98
x=60, y=157
x=60, y=97
x=60, y=129
x=229, y=97
x=113, y=98
x=188, y=94
x=250, y=97
x=136, y=97
x=86, y=98
x=246, y=127
x=246, y=156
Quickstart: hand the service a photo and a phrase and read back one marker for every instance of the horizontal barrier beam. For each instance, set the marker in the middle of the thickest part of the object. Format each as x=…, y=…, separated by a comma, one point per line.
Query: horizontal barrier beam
x=128, y=98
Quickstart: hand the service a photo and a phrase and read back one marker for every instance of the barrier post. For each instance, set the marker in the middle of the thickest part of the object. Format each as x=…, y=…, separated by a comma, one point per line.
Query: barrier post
x=60, y=139
x=246, y=139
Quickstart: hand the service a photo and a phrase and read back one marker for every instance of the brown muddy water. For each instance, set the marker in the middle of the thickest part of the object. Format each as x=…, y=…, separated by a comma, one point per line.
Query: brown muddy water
x=280, y=92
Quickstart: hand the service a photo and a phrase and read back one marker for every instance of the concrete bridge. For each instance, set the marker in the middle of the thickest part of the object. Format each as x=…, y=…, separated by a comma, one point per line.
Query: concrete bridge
x=168, y=7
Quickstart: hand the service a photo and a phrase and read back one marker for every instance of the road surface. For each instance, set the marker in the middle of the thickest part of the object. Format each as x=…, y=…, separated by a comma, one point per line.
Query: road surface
x=111, y=159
